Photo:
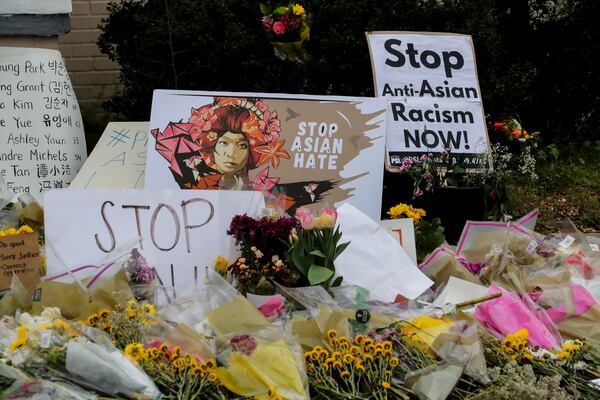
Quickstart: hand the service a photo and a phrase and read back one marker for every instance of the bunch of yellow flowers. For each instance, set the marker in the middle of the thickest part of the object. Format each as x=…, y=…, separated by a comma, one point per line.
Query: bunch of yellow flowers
x=15, y=231
x=175, y=373
x=405, y=210
x=353, y=368
x=515, y=345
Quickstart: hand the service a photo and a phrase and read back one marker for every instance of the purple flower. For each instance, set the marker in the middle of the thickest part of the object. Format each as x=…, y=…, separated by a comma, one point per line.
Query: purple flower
x=138, y=268
x=424, y=157
x=417, y=193
x=407, y=163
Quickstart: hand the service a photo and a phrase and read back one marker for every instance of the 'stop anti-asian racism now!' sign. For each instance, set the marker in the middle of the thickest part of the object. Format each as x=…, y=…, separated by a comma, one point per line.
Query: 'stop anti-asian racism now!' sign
x=434, y=101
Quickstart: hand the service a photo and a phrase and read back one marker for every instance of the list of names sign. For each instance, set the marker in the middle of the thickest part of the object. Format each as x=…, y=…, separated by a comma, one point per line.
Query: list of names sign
x=42, y=143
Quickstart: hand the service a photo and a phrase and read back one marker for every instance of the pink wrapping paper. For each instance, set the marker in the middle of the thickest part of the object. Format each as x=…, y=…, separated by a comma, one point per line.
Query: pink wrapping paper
x=509, y=313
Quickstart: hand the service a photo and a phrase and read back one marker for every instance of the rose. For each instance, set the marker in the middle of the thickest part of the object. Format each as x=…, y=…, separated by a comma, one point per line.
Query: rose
x=305, y=217
x=279, y=28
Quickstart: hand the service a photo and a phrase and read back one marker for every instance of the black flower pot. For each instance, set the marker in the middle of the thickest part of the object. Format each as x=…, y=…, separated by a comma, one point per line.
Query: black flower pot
x=454, y=206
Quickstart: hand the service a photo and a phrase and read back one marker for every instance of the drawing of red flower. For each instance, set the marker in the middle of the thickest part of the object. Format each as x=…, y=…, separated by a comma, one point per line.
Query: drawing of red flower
x=271, y=152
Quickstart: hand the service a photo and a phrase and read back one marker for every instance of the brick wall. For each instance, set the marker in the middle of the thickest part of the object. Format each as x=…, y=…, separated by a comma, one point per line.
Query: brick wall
x=93, y=75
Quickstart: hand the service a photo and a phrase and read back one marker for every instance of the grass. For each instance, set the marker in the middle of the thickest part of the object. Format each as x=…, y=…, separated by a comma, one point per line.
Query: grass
x=568, y=187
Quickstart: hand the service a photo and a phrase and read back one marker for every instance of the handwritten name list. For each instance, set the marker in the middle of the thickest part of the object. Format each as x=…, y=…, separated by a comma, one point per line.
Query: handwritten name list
x=42, y=143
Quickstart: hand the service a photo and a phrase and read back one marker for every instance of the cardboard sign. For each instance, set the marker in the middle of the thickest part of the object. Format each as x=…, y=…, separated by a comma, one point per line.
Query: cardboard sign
x=42, y=144
x=297, y=150
x=20, y=255
x=403, y=230
x=434, y=101
x=119, y=159
x=180, y=232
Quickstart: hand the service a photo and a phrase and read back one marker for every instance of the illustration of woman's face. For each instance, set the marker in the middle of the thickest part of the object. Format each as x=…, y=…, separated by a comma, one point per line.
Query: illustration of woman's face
x=231, y=153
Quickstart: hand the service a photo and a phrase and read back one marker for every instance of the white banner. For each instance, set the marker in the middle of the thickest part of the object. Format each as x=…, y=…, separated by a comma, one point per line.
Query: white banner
x=178, y=230
x=434, y=101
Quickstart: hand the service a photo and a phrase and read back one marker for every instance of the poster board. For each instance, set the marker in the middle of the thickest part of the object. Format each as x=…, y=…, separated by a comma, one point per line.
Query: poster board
x=297, y=150
x=185, y=229
x=119, y=159
x=42, y=144
x=433, y=98
x=20, y=256
x=403, y=230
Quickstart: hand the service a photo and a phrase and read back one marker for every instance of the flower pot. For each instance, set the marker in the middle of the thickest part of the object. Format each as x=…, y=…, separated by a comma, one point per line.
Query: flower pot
x=454, y=206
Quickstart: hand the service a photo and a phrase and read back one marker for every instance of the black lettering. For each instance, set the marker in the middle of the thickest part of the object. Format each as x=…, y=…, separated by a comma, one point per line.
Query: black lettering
x=458, y=63
x=389, y=46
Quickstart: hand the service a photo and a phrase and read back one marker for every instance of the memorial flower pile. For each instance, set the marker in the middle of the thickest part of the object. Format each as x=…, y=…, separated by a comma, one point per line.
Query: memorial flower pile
x=513, y=131
x=510, y=313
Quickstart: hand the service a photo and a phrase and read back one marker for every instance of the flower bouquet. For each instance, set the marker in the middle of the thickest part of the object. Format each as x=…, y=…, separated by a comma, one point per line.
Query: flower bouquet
x=287, y=28
x=428, y=234
x=141, y=276
x=263, y=243
x=316, y=246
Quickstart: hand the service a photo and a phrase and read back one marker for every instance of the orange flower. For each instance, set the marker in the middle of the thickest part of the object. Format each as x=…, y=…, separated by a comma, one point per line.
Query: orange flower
x=271, y=152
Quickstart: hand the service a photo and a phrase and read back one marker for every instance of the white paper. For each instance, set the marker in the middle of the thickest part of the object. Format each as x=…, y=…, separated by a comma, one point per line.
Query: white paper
x=403, y=230
x=458, y=290
x=76, y=232
x=119, y=159
x=375, y=260
x=434, y=101
x=42, y=144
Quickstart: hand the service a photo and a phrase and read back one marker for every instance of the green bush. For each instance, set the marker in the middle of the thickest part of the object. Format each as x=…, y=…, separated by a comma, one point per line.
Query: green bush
x=537, y=60
x=219, y=45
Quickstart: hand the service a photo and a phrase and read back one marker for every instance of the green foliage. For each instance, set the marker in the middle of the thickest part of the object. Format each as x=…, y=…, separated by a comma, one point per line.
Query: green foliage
x=313, y=254
x=220, y=45
x=428, y=236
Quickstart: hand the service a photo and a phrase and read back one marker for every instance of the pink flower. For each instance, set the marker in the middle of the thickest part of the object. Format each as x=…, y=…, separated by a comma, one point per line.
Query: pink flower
x=417, y=193
x=329, y=211
x=407, y=163
x=267, y=23
x=261, y=105
x=279, y=28
x=270, y=126
x=305, y=217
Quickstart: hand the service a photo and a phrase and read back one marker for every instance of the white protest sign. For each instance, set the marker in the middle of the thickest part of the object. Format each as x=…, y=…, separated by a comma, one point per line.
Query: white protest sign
x=298, y=150
x=434, y=101
x=35, y=7
x=119, y=159
x=403, y=230
x=41, y=133
x=184, y=229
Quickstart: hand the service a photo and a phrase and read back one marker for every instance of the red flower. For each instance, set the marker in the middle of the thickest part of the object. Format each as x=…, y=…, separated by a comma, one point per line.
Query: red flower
x=279, y=28
x=271, y=152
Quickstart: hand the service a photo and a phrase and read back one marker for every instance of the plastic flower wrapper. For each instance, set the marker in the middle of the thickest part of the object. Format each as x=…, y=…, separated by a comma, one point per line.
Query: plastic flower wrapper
x=264, y=363
x=107, y=370
x=216, y=307
x=510, y=313
x=571, y=306
x=325, y=313
x=443, y=263
x=480, y=238
x=17, y=298
x=179, y=335
x=26, y=387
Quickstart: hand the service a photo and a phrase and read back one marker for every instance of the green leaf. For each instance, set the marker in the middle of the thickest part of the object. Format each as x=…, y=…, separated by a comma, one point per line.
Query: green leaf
x=265, y=9
x=281, y=10
x=337, y=282
x=341, y=248
x=318, y=274
x=317, y=253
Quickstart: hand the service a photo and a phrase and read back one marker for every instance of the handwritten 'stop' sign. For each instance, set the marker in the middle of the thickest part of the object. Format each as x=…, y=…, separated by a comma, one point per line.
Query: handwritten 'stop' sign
x=42, y=144
x=297, y=150
x=20, y=256
x=119, y=159
x=434, y=101
x=180, y=231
